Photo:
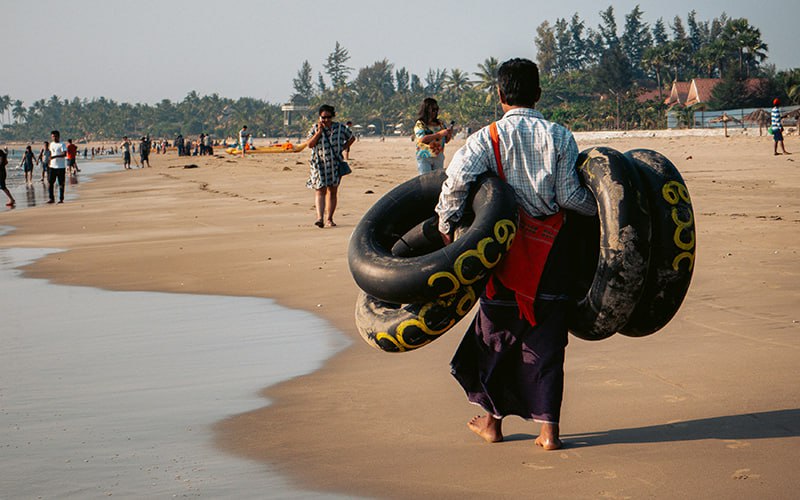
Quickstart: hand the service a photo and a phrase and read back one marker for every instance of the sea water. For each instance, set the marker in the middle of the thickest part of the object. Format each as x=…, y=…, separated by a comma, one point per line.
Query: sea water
x=107, y=393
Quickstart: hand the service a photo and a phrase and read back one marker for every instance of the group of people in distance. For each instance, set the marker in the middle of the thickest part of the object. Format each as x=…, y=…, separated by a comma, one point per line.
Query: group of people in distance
x=55, y=157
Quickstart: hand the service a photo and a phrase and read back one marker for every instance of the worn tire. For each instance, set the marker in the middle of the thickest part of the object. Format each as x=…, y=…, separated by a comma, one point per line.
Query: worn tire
x=404, y=327
x=672, y=243
x=419, y=275
x=616, y=285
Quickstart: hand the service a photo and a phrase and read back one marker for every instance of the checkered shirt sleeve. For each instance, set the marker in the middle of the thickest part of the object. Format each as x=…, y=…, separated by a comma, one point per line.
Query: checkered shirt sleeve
x=538, y=159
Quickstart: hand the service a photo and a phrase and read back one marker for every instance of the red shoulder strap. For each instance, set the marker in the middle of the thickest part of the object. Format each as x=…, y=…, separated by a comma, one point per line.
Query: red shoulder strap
x=496, y=147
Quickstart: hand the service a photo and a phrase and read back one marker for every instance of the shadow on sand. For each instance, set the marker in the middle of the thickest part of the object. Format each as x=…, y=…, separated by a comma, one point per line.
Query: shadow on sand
x=764, y=425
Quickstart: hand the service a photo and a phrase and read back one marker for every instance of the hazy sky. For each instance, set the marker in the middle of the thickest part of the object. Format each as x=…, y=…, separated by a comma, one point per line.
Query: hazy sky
x=146, y=50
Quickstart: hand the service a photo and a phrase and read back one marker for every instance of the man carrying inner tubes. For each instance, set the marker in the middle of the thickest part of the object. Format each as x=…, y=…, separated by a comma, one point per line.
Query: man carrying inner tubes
x=511, y=360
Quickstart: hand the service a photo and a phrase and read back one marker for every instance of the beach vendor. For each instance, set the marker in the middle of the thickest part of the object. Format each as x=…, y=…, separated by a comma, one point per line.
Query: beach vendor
x=328, y=140
x=511, y=359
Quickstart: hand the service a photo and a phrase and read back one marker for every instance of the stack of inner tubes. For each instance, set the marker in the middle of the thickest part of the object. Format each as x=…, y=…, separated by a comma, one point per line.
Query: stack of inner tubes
x=633, y=261
x=413, y=287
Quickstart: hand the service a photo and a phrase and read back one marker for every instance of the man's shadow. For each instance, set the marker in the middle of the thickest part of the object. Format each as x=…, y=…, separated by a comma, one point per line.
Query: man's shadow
x=764, y=425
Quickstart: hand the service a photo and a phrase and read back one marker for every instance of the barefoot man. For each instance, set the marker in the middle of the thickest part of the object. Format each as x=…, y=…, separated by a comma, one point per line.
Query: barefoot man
x=511, y=360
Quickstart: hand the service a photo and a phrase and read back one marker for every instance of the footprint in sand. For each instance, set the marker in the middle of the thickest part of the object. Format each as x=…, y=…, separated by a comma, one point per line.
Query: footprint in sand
x=745, y=474
x=537, y=466
x=735, y=444
x=592, y=368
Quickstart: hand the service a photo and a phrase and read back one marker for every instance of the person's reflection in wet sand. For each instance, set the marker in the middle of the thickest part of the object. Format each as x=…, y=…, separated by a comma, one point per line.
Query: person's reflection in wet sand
x=30, y=195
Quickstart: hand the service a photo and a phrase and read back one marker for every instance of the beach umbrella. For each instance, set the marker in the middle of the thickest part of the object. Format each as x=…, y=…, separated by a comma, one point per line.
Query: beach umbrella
x=724, y=118
x=793, y=115
x=758, y=116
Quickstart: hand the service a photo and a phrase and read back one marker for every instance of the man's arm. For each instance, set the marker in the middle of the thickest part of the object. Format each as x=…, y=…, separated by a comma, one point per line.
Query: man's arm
x=467, y=164
x=571, y=194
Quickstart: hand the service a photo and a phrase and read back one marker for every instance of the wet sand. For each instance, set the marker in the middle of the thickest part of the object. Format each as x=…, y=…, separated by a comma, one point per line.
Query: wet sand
x=706, y=407
x=115, y=393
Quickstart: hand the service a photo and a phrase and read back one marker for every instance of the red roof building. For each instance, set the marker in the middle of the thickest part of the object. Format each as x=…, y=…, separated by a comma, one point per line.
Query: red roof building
x=678, y=94
x=700, y=90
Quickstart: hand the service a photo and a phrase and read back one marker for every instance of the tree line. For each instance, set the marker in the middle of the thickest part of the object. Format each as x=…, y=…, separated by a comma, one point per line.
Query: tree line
x=591, y=78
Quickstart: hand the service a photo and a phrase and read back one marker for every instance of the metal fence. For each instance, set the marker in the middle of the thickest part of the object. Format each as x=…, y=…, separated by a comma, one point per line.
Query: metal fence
x=703, y=119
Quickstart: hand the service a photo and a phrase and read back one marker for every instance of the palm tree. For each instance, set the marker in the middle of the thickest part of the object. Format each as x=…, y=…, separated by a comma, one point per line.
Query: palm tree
x=756, y=52
x=654, y=58
x=18, y=111
x=456, y=83
x=677, y=56
x=5, y=104
x=487, y=81
x=745, y=38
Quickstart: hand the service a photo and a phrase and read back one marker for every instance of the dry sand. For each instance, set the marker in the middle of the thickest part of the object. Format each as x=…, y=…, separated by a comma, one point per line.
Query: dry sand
x=709, y=407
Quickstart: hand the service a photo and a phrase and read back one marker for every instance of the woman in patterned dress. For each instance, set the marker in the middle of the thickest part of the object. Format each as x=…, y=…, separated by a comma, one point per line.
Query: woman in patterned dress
x=431, y=136
x=327, y=140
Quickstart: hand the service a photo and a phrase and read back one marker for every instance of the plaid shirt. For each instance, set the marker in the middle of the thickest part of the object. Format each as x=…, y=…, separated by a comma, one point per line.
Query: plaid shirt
x=538, y=162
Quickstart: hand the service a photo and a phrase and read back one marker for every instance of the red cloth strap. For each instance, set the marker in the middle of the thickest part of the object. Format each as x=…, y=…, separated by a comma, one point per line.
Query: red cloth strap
x=496, y=147
x=521, y=269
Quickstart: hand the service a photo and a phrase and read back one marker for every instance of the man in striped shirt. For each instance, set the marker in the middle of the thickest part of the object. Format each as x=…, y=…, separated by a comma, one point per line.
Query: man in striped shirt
x=511, y=362
x=777, y=127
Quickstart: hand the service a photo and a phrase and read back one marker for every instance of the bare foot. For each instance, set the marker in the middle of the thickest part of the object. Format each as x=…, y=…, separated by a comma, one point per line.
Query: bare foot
x=548, y=437
x=330, y=223
x=487, y=427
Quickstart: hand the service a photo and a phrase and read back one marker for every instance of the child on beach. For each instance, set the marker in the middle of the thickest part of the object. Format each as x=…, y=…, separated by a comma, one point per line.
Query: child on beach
x=72, y=157
x=3, y=163
x=28, y=160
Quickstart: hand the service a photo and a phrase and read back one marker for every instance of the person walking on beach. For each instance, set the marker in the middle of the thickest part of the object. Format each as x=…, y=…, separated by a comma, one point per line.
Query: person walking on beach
x=327, y=140
x=44, y=159
x=346, y=152
x=179, y=144
x=126, y=152
x=28, y=161
x=72, y=157
x=57, y=170
x=511, y=359
x=431, y=136
x=144, y=151
x=3, y=162
x=244, y=136
x=777, y=127
x=207, y=147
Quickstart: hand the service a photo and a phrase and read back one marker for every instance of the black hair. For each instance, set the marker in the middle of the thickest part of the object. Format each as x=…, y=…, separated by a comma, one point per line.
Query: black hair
x=55, y=132
x=428, y=111
x=328, y=108
x=518, y=81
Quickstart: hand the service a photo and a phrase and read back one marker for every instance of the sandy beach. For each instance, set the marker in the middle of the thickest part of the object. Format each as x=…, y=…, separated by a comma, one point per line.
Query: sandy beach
x=709, y=407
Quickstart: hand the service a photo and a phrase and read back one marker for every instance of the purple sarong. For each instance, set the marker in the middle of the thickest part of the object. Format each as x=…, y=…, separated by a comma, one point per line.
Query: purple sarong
x=509, y=367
